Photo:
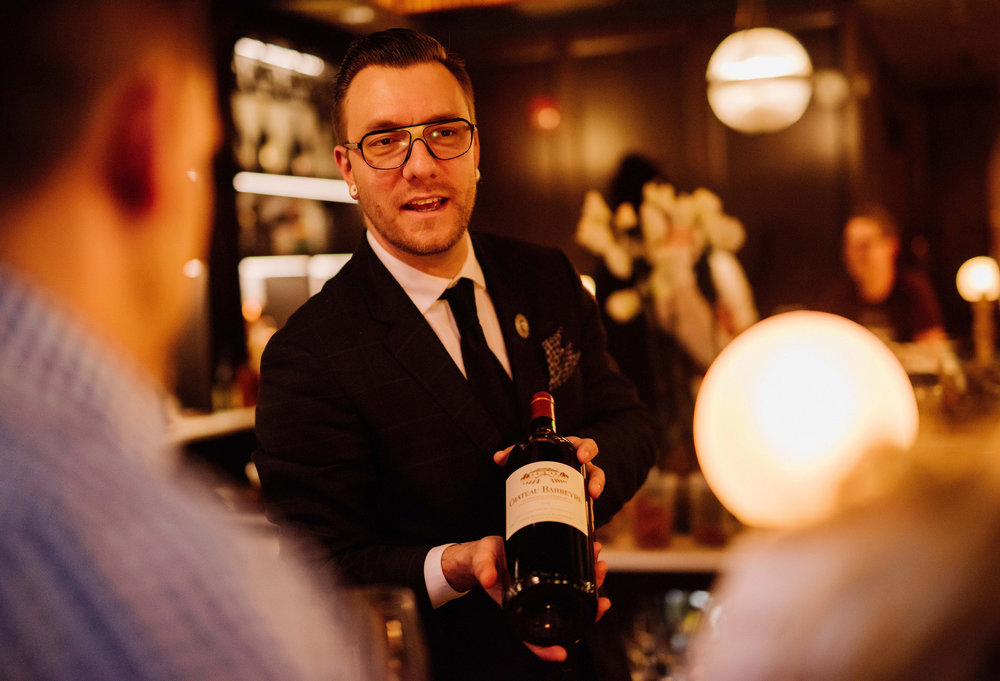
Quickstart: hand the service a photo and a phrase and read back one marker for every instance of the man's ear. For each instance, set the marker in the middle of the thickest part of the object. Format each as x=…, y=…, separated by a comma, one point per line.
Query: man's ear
x=344, y=163
x=130, y=164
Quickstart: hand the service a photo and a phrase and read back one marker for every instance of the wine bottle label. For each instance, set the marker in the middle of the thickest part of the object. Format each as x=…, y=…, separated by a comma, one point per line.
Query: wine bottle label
x=546, y=491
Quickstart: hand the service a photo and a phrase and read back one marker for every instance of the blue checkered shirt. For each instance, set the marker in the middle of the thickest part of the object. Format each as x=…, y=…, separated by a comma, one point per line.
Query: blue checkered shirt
x=109, y=570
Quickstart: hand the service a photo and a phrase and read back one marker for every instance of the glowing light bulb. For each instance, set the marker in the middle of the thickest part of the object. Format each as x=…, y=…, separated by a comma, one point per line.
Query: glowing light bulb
x=759, y=80
x=978, y=279
x=788, y=409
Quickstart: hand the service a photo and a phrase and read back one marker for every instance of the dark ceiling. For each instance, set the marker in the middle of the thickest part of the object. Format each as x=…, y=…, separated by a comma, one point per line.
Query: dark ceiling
x=926, y=43
x=937, y=42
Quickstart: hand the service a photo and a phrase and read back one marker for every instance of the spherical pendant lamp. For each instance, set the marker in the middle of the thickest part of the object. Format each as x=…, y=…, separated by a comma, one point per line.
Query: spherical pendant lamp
x=759, y=80
x=790, y=407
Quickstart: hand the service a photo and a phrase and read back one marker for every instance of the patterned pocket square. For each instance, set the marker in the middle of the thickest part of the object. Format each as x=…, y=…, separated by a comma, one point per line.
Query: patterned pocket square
x=562, y=359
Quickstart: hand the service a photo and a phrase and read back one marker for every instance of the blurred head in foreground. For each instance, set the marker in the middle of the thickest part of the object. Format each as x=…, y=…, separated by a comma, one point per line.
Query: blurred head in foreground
x=901, y=584
x=109, y=130
x=108, y=569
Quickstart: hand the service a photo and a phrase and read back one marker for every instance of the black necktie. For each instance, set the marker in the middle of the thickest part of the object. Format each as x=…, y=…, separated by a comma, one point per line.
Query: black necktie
x=485, y=374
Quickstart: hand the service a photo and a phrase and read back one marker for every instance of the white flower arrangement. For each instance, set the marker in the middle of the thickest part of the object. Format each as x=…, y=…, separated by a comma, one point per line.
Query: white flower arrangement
x=656, y=249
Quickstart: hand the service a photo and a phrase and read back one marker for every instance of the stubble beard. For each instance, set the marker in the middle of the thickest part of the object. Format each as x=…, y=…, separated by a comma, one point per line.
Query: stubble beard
x=385, y=227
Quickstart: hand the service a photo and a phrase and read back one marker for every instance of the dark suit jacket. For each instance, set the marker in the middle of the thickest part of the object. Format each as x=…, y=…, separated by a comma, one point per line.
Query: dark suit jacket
x=374, y=447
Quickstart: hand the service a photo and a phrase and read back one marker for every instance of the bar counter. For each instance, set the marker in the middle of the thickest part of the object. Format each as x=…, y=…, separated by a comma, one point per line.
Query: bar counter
x=681, y=556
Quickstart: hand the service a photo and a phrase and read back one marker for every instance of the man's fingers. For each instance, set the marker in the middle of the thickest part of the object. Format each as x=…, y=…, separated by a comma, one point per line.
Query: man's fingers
x=486, y=560
x=501, y=456
x=603, y=605
x=595, y=480
x=549, y=653
x=602, y=572
x=586, y=449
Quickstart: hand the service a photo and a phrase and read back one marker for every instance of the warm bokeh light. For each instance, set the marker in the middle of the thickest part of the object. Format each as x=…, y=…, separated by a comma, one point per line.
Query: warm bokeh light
x=293, y=186
x=193, y=268
x=831, y=88
x=978, y=279
x=282, y=57
x=759, y=80
x=357, y=15
x=789, y=407
x=252, y=310
x=544, y=113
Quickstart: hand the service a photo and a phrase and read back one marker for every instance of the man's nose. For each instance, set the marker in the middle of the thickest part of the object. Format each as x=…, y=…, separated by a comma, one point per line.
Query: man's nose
x=421, y=159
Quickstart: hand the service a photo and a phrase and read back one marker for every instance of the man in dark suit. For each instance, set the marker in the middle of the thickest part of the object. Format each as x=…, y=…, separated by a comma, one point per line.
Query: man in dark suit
x=374, y=446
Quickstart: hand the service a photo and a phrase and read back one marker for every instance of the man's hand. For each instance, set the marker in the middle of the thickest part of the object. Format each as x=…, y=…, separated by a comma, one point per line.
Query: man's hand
x=586, y=450
x=480, y=563
x=475, y=563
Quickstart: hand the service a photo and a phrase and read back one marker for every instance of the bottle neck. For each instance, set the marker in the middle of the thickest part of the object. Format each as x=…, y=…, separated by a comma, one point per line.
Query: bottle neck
x=543, y=413
x=543, y=425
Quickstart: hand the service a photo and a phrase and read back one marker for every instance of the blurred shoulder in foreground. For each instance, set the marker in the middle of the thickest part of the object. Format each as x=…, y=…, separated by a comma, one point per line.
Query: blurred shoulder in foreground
x=900, y=584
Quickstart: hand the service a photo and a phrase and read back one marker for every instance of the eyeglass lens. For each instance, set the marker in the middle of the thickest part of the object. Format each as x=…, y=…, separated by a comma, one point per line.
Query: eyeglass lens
x=389, y=149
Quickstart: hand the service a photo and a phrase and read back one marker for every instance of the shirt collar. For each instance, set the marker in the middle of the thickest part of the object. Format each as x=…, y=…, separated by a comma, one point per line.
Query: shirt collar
x=422, y=288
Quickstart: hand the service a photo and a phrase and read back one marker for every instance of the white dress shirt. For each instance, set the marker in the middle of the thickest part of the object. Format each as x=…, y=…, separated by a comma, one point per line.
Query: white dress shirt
x=425, y=291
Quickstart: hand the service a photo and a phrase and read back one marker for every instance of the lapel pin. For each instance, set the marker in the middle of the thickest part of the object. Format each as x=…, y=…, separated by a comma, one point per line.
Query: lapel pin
x=521, y=324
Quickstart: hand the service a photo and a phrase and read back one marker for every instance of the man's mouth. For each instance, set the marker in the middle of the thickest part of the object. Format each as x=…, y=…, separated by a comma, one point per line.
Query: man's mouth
x=426, y=205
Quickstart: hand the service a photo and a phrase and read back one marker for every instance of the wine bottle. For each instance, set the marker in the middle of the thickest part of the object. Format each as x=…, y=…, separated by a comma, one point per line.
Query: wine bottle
x=550, y=594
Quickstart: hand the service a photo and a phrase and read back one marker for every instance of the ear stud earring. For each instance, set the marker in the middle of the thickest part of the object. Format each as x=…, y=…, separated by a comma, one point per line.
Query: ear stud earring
x=353, y=191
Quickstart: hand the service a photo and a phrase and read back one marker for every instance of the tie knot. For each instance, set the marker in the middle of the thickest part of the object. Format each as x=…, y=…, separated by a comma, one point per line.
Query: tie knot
x=462, y=299
x=463, y=288
x=461, y=296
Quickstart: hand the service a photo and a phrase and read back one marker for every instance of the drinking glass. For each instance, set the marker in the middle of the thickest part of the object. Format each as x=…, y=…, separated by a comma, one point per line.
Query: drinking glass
x=397, y=651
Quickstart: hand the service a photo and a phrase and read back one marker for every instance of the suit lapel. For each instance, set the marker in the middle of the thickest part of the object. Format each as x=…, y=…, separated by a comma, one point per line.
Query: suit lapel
x=514, y=303
x=413, y=343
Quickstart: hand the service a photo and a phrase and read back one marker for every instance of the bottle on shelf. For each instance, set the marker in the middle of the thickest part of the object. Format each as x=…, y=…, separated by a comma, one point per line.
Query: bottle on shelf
x=653, y=510
x=550, y=596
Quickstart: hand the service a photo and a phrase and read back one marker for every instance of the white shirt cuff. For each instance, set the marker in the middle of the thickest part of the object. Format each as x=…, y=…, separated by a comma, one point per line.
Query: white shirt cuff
x=438, y=588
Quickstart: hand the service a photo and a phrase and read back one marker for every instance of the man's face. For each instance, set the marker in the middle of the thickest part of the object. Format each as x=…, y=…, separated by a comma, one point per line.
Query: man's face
x=420, y=211
x=868, y=253
x=191, y=135
x=198, y=144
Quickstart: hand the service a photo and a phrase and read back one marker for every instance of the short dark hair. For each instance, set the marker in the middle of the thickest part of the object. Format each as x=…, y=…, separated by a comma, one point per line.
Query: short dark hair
x=880, y=215
x=634, y=172
x=398, y=48
x=59, y=55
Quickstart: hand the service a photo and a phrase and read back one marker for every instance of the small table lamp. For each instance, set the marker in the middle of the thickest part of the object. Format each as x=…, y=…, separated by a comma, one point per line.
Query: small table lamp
x=978, y=282
x=789, y=408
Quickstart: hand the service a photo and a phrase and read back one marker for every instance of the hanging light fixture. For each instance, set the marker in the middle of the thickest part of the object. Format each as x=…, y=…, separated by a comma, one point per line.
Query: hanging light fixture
x=759, y=79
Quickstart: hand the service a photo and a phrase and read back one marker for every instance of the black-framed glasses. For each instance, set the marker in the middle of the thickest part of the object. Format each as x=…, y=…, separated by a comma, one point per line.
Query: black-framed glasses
x=390, y=149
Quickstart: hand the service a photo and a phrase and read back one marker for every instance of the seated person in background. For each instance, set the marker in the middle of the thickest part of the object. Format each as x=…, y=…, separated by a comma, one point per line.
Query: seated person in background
x=897, y=304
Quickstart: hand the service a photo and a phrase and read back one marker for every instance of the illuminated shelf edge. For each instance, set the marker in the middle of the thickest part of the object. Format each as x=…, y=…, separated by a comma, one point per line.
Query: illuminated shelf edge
x=292, y=186
x=192, y=427
x=681, y=556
